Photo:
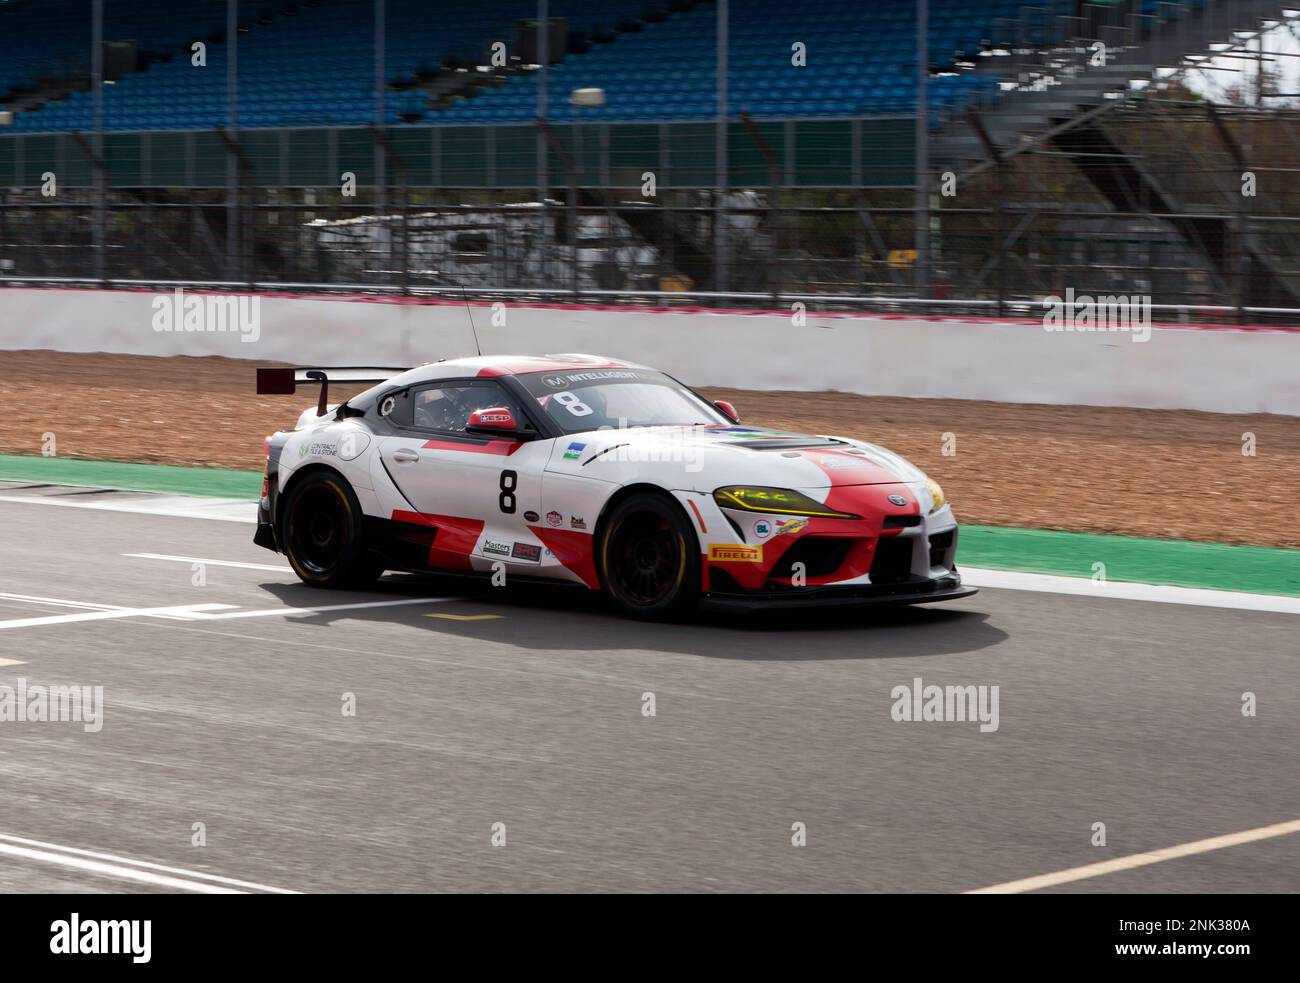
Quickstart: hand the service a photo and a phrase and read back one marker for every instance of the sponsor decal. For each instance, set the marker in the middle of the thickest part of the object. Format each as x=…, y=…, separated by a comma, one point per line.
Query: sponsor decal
x=748, y=433
x=897, y=500
x=574, y=451
x=762, y=528
x=531, y=516
x=790, y=526
x=570, y=378
x=495, y=417
x=527, y=551
x=730, y=553
x=496, y=549
x=317, y=448
x=577, y=522
x=554, y=518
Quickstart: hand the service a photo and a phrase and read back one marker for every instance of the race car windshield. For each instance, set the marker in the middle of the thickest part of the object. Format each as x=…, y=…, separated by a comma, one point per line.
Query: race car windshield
x=596, y=399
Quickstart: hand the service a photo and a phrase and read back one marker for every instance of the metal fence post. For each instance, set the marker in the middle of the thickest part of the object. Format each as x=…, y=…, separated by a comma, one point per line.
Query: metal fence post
x=922, y=161
x=543, y=42
x=380, y=143
x=721, y=240
x=101, y=184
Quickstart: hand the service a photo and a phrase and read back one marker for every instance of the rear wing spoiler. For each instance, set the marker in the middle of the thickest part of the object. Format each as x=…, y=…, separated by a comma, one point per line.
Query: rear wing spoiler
x=285, y=382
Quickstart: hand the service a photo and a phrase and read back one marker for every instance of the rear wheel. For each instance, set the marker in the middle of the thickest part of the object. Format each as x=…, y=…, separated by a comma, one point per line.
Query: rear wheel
x=649, y=558
x=323, y=533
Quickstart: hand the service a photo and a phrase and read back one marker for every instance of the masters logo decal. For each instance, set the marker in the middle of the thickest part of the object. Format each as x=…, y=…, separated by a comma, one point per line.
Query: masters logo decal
x=727, y=553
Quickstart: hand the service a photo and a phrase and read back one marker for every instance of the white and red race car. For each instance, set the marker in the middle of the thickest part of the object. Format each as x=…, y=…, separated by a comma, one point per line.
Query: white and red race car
x=598, y=472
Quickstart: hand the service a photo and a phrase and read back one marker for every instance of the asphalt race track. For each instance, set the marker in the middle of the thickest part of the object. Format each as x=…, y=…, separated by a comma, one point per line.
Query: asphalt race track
x=1126, y=713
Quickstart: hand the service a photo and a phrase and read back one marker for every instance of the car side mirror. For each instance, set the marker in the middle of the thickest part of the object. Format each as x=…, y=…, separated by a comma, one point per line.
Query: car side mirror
x=727, y=409
x=494, y=419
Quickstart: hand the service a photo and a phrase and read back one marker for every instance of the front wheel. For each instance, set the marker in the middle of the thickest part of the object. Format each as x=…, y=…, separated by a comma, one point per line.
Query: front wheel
x=323, y=533
x=649, y=558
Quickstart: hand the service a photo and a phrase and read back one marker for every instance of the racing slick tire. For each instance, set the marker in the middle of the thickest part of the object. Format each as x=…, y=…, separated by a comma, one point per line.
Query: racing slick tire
x=648, y=558
x=324, y=534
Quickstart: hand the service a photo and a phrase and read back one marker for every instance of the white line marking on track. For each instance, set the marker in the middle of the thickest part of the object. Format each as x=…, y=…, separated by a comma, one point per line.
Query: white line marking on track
x=185, y=611
x=1118, y=590
x=287, y=611
x=124, y=868
x=59, y=602
x=12, y=662
x=178, y=506
x=211, y=563
x=1141, y=859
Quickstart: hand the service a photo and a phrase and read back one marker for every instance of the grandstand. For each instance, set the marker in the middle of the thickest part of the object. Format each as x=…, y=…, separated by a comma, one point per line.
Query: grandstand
x=823, y=181
x=308, y=63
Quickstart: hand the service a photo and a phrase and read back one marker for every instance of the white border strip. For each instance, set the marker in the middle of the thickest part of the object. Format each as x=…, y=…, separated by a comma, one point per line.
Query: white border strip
x=1118, y=590
x=1141, y=859
x=124, y=868
x=178, y=506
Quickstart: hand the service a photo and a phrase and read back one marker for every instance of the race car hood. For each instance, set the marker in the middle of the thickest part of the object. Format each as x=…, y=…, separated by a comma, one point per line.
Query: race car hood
x=704, y=457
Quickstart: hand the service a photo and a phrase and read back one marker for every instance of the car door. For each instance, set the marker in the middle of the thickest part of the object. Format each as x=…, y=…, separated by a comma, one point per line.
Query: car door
x=477, y=490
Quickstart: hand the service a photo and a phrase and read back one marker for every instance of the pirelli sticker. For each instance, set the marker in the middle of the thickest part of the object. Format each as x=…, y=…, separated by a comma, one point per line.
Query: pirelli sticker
x=728, y=553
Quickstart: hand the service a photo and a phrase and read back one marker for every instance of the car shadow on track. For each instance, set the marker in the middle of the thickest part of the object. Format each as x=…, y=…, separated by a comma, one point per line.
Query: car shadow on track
x=544, y=617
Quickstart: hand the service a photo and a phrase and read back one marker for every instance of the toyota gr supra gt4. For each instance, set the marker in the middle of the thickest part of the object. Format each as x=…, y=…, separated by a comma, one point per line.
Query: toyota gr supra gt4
x=596, y=472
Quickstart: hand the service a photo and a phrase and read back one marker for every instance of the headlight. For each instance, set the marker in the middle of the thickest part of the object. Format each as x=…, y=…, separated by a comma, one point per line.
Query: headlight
x=936, y=493
x=776, y=501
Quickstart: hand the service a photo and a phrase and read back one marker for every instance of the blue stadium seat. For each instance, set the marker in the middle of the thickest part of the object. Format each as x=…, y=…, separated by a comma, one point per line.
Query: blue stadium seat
x=317, y=64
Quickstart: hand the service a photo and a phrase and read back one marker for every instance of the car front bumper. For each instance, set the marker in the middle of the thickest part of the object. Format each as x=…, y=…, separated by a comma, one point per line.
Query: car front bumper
x=915, y=591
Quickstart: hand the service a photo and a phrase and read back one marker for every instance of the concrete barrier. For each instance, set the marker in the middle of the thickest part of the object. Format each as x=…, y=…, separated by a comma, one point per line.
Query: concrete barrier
x=1224, y=369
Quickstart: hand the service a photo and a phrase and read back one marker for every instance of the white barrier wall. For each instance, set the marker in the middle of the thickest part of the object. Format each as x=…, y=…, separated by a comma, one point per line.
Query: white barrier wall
x=1219, y=369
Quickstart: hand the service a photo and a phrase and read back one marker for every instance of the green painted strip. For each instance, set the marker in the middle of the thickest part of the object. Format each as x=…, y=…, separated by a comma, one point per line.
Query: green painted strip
x=1179, y=563
x=216, y=482
x=1254, y=569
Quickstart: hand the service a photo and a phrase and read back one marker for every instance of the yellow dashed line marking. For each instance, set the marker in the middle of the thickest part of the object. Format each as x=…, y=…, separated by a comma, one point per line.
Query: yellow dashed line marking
x=464, y=617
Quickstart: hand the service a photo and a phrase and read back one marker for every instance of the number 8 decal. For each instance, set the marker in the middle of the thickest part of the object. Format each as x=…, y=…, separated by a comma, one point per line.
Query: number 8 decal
x=509, y=481
x=573, y=404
